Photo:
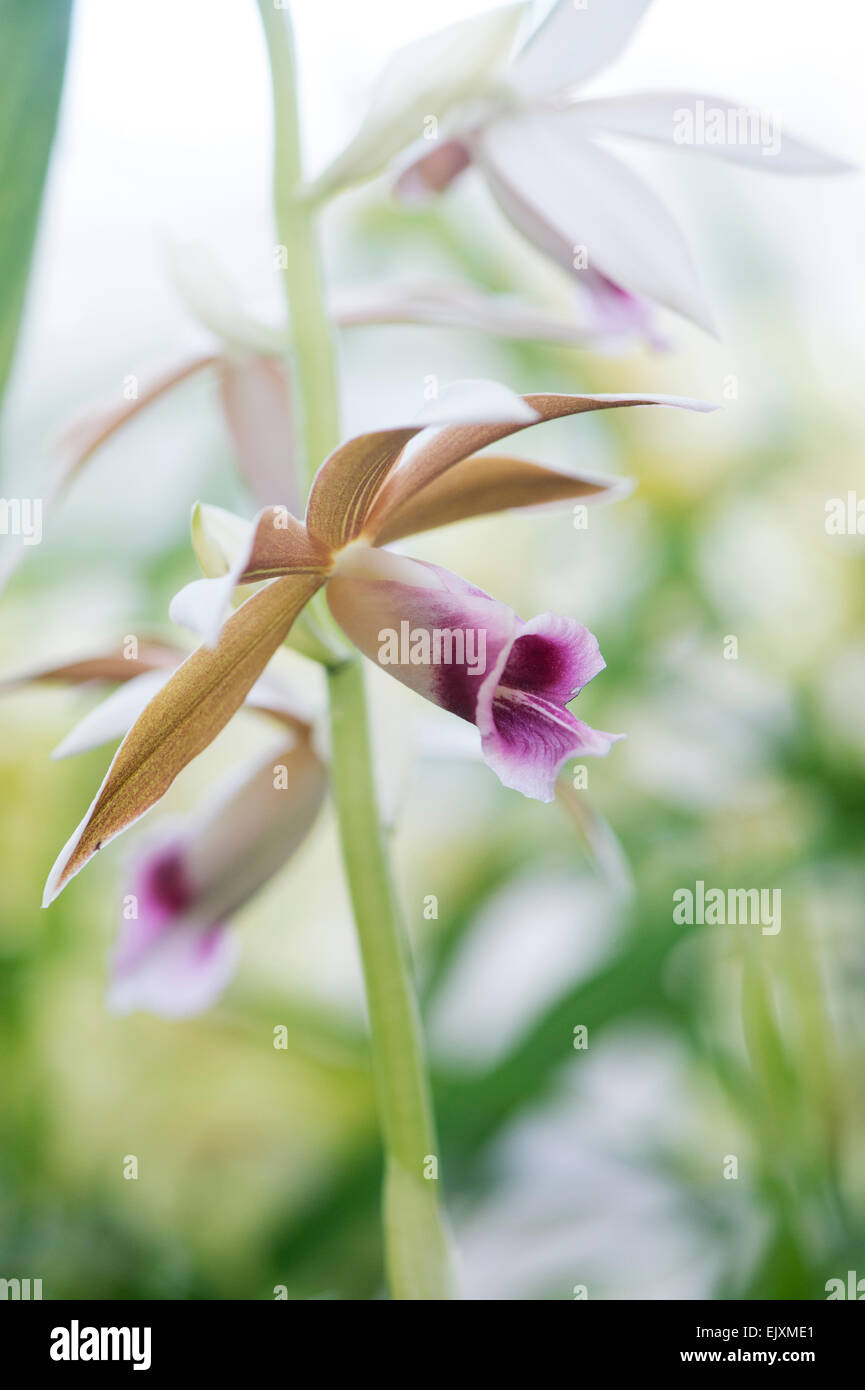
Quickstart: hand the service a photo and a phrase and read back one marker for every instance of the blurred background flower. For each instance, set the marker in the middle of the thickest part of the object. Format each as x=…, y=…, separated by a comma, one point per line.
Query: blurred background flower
x=254, y=1125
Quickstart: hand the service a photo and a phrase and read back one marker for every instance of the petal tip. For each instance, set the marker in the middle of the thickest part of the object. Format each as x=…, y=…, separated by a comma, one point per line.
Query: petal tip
x=692, y=403
x=56, y=880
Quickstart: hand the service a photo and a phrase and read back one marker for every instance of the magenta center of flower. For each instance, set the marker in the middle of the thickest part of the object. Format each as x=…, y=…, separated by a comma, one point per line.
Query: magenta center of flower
x=536, y=663
x=166, y=890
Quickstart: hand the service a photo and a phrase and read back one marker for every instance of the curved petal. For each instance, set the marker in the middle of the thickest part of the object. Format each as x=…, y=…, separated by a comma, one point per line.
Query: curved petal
x=527, y=734
x=201, y=607
x=346, y=484
x=613, y=311
x=256, y=401
x=277, y=543
x=427, y=76
x=80, y=440
x=183, y=718
x=114, y=716
x=707, y=125
x=447, y=447
x=568, y=189
x=488, y=483
x=529, y=740
x=553, y=657
x=575, y=42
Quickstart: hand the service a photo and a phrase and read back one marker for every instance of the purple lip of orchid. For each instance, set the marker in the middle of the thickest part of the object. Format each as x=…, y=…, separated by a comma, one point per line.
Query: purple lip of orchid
x=165, y=889
x=532, y=669
x=168, y=959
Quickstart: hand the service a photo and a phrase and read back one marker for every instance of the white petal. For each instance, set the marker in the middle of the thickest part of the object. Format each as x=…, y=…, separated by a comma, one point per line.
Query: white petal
x=454, y=304
x=212, y=297
x=424, y=78
x=114, y=716
x=222, y=542
x=707, y=125
x=568, y=190
x=202, y=606
x=476, y=401
x=574, y=42
x=184, y=973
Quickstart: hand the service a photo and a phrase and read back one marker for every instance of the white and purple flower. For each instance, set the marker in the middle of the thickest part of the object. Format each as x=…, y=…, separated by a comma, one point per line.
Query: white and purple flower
x=520, y=118
x=372, y=490
x=532, y=670
x=176, y=950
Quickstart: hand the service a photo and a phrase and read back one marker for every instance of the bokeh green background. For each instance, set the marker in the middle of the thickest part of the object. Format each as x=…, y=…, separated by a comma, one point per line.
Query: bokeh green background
x=605, y=1167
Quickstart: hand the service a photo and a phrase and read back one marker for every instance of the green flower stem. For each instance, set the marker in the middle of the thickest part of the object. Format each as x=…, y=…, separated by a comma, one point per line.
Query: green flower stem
x=315, y=372
x=416, y=1242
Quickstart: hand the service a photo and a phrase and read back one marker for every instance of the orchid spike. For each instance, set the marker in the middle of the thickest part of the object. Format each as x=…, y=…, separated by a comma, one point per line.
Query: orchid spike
x=524, y=126
x=370, y=490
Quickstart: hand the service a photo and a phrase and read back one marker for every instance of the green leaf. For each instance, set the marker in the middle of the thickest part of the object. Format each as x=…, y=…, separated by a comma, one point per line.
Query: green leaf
x=33, y=40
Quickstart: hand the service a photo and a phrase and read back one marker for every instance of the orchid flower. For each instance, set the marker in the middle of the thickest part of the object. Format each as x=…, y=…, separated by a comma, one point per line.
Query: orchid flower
x=522, y=123
x=511, y=679
x=175, y=950
x=369, y=491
